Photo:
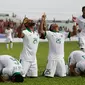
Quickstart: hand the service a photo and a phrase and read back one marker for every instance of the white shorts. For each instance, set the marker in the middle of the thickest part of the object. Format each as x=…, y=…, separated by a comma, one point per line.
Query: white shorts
x=30, y=68
x=8, y=40
x=81, y=41
x=55, y=67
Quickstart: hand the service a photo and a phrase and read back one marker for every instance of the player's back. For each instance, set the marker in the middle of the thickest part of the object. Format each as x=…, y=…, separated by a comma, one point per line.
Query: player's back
x=10, y=65
x=76, y=56
x=8, y=61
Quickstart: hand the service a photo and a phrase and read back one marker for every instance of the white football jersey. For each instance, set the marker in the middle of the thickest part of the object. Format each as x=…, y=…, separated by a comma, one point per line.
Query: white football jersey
x=10, y=65
x=30, y=45
x=56, y=44
x=9, y=33
x=76, y=56
x=80, y=66
x=81, y=24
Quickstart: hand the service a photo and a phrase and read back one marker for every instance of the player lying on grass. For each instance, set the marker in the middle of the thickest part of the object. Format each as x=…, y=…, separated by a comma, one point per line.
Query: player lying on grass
x=56, y=63
x=10, y=69
x=76, y=63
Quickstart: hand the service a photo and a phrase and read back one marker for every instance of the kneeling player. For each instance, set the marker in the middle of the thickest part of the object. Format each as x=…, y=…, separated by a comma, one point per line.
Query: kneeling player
x=56, y=63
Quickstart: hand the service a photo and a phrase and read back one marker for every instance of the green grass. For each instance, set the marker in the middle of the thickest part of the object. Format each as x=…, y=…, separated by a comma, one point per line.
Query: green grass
x=42, y=60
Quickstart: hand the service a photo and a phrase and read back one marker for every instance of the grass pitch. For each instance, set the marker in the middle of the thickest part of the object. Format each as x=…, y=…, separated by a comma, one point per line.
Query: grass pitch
x=42, y=61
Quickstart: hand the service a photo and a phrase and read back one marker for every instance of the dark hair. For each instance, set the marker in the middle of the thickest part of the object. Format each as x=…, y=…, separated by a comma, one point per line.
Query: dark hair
x=50, y=28
x=83, y=8
x=31, y=24
x=17, y=78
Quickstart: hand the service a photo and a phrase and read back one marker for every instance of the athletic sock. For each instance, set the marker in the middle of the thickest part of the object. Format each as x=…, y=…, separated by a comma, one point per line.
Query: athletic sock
x=11, y=45
x=7, y=46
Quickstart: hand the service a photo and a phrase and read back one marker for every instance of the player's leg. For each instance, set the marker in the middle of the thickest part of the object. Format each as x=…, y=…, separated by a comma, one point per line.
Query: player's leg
x=81, y=42
x=7, y=43
x=33, y=71
x=61, y=69
x=11, y=43
x=25, y=66
x=50, y=68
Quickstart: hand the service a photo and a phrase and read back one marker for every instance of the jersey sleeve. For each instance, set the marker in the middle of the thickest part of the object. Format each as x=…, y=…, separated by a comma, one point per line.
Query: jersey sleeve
x=66, y=34
x=12, y=30
x=77, y=20
x=48, y=34
x=24, y=32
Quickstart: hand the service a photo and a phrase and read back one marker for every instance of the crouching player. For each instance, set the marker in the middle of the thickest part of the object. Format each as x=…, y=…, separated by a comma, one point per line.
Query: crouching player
x=76, y=65
x=10, y=69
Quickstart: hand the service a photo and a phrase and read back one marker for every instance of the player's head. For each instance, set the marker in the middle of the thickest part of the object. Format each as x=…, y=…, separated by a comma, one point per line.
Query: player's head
x=28, y=22
x=83, y=10
x=17, y=77
x=8, y=26
x=54, y=27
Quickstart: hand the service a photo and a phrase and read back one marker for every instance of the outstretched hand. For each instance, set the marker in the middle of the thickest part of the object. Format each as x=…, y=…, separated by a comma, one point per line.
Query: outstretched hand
x=44, y=17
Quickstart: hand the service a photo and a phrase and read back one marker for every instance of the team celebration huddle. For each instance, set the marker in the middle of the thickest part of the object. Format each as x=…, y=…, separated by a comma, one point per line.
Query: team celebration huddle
x=15, y=70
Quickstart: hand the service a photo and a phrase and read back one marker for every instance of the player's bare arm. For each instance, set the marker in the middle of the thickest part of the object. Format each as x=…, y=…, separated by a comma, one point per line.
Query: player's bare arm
x=42, y=28
x=19, y=31
x=74, y=32
x=72, y=70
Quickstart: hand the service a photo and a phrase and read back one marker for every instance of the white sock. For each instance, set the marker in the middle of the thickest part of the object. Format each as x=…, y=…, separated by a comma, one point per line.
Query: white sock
x=7, y=46
x=11, y=45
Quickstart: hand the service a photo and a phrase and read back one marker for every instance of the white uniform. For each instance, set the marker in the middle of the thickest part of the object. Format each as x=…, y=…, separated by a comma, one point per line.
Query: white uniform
x=80, y=66
x=75, y=57
x=81, y=35
x=8, y=35
x=28, y=55
x=56, y=63
x=9, y=65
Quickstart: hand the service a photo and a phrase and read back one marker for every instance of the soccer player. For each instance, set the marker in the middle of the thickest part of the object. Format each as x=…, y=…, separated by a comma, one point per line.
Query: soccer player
x=76, y=62
x=30, y=46
x=56, y=63
x=8, y=33
x=10, y=69
x=81, y=25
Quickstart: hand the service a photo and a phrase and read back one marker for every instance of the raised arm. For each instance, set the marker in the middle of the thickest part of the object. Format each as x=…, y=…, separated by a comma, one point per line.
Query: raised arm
x=73, y=33
x=42, y=24
x=19, y=32
x=42, y=28
x=24, y=24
